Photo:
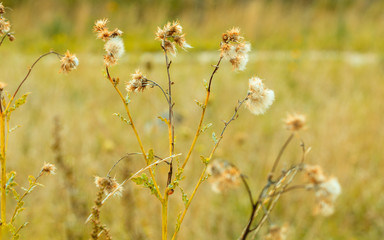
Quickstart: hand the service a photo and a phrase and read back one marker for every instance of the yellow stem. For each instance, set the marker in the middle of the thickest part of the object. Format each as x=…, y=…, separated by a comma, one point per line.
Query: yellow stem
x=164, y=218
x=197, y=132
x=3, y=174
x=189, y=202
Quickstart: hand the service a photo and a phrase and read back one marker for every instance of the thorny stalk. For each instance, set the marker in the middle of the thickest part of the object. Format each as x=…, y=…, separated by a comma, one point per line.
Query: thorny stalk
x=198, y=131
x=202, y=176
x=114, y=84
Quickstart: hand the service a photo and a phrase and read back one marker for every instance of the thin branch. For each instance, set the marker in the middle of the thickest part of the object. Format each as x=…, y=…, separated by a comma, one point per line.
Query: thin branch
x=114, y=84
x=202, y=176
x=126, y=156
x=198, y=131
x=171, y=124
x=248, y=189
x=28, y=73
x=2, y=39
x=279, y=156
x=157, y=85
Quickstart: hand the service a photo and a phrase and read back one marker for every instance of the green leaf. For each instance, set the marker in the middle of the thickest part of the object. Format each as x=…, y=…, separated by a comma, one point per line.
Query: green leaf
x=163, y=119
x=122, y=118
x=205, y=82
x=150, y=156
x=214, y=138
x=18, y=103
x=127, y=99
x=147, y=183
x=200, y=104
x=205, y=127
x=204, y=160
x=184, y=197
x=14, y=128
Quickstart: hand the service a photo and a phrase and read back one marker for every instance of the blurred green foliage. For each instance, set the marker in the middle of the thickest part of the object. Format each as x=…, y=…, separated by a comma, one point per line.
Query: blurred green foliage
x=269, y=25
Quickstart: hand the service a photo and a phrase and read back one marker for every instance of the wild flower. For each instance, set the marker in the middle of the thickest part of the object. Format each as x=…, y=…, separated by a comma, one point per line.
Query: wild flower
x=259, y=97
x=108, y=185
x=115, y=49
x=327, y=189
x=277, y=233
x=235, y=49
x=170, y=36
x=295, y=122
x=48, y=169
x=69, y=62
x=138, y=82
x=223, y=175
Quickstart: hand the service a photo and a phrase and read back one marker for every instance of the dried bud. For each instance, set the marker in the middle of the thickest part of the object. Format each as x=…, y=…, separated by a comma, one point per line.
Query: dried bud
x=295, y=122
x=100, y=25
x=2, y=9
x=223, y=175
x=235, y=49
x=171, y=34
x=48, y=169
x=11, y=37
x=69, y=62
x=138, y=83
x=109, y=185
x=2, y=86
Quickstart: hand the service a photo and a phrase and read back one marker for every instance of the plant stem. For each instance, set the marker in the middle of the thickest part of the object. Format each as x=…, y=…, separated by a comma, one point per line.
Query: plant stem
x=279, y=156
x=134, y=130
x=197, y=134
x=164, y=218
x=202, y=176
x=26, y=77
x=3, y=175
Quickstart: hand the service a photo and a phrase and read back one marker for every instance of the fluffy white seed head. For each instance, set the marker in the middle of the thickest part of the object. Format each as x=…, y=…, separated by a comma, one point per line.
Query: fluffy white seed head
x=259, y=98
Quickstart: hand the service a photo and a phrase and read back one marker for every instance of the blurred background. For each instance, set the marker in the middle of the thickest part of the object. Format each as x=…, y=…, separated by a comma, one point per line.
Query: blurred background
x=323, y=58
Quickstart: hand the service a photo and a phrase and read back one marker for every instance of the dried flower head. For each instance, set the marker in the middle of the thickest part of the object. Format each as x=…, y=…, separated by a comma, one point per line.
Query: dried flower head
x=109, y=185
x=138, y=83
x=327, y=189
x=2, y=8
x=48, y=169
x=277, y=233
x=115, y=49
x=295, y=122
x=170, y=35
x=69, y=62
x=235, y=49
x=102, y=31
x=2, y=86
x=5, y=26
x=315, y=174
x=259, y=98
x=100, y=25
x=223, y=175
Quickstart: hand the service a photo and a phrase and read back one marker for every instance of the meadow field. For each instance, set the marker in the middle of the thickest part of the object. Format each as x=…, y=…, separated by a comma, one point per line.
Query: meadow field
x=321, y=58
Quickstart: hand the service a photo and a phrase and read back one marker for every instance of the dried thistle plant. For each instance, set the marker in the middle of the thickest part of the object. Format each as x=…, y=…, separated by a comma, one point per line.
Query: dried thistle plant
x=8, y=104
x=222, y=174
